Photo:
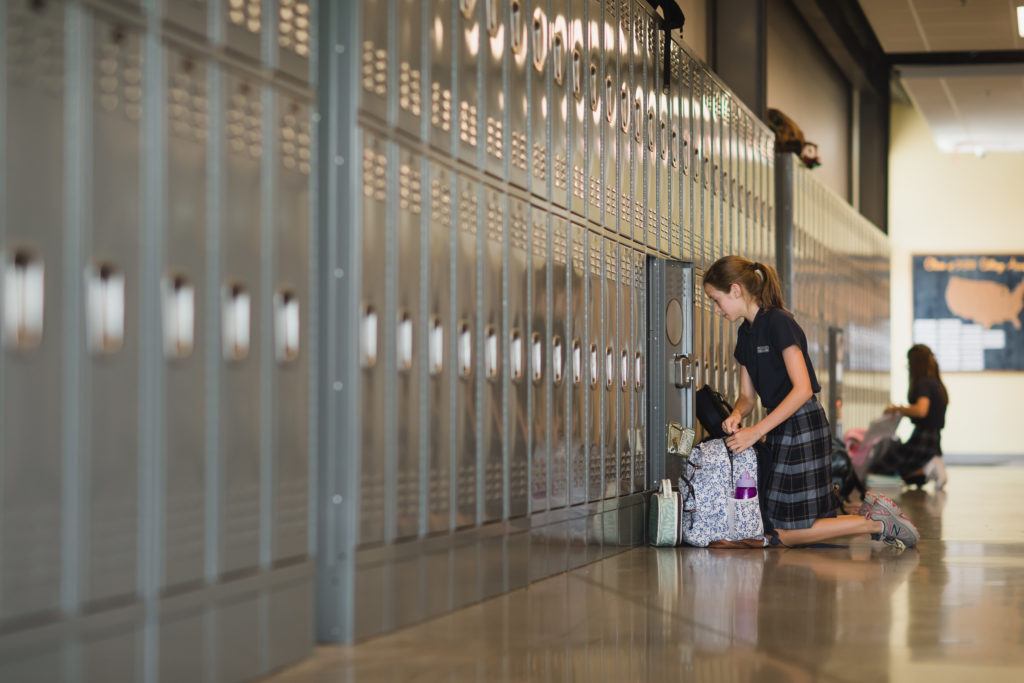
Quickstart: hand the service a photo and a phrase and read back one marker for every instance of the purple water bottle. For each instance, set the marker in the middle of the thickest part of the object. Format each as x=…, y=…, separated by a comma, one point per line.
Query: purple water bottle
x=745, y=487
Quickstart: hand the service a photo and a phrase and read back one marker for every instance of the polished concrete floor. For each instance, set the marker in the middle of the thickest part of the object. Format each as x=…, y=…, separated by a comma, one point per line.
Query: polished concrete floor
x=950, y=610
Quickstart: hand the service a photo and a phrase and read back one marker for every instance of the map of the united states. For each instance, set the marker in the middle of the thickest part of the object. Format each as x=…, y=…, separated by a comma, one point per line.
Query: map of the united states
x=985, y=302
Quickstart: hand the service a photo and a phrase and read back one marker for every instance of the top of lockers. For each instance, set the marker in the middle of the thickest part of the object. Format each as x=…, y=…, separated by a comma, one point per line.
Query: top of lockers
x=236, y=32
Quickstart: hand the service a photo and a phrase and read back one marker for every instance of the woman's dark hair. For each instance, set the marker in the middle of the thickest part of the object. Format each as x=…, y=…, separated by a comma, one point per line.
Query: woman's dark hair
x=759, y=279
x=923, y=364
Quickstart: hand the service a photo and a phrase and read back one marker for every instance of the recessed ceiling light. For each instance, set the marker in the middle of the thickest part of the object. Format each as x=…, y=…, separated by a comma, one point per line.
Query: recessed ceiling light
x=1020, y=20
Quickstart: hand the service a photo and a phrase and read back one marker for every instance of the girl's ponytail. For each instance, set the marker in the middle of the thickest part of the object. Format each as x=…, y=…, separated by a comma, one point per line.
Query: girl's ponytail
x=759, y=279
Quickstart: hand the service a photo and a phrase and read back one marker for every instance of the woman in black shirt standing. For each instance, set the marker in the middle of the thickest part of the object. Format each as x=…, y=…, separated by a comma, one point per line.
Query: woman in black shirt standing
x=795, y=474
x=920, y=458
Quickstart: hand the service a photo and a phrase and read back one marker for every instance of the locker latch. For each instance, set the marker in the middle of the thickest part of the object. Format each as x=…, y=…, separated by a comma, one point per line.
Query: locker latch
x=682, y=370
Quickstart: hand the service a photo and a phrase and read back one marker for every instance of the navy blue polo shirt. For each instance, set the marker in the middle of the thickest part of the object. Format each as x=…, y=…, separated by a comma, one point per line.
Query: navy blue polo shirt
x=759, y=349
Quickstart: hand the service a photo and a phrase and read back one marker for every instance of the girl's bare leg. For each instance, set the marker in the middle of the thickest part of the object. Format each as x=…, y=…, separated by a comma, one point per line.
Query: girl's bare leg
x=828, y=529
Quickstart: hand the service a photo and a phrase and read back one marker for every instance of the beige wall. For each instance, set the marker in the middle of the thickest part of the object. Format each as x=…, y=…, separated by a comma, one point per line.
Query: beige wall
x=954, y=203
x=804, y=84
x=695, y=32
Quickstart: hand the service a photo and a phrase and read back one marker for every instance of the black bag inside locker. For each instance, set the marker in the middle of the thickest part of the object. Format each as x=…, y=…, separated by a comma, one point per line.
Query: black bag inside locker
x=712, y=409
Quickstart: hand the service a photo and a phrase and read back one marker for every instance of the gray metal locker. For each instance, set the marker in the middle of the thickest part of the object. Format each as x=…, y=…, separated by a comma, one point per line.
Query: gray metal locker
x=112, y=282
x=494, y=46
x=442, y=352
x=241, y=316
x=616, y=101
x=594, y=364
x=540, y=97
x=641, y=121
x=372, y=342
x=670, y=289
x=641, y=333
x=612, y=399
x=559, y=469
x=576, y=370
x=623, y=358
x=519, y=104
x=33, y=236
x=469, y=38
x=598, y=98
x=441, y=54
x=184, y=325
x=491, y=349
x=516, y=372
x=539, y=392
x=409, y=30
x=652, y=119
x=403, y=493
x=374, y=55
x=291, y=307
x=628, y=118
x=561, y=102
x=465, y=319
x=579, y=73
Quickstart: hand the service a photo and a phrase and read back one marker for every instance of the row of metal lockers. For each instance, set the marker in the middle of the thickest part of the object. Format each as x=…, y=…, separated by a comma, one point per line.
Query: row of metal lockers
x=158, y=169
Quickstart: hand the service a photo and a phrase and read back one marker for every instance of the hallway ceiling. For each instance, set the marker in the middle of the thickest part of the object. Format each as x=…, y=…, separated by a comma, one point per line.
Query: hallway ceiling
x=970, y=107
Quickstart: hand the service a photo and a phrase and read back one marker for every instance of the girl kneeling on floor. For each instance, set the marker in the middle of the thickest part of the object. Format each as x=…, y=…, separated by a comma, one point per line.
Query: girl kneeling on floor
x=796, y=477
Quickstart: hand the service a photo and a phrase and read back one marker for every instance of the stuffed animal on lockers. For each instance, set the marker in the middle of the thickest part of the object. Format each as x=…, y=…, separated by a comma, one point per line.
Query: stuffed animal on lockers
x=789, y=138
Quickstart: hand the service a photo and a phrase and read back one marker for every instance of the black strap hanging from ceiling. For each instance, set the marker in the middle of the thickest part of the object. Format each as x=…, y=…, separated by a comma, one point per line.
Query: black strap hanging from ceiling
x=673, y=19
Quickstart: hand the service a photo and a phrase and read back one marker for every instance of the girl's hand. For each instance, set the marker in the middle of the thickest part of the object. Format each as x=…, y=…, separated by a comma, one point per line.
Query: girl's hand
x=732, y=423
x=893, y=409
x=743, y=439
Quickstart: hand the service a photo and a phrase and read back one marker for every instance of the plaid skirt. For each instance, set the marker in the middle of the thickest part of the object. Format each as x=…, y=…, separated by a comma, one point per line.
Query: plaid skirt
x=798, y=470
x=922, y=446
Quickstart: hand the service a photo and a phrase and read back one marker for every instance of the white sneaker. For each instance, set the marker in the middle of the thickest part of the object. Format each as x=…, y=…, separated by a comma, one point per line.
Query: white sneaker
x=935, y=470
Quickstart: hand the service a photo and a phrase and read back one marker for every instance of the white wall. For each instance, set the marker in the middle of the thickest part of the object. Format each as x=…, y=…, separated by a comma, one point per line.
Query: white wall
x=954, y=203
x=805, y=85
x=695, y=32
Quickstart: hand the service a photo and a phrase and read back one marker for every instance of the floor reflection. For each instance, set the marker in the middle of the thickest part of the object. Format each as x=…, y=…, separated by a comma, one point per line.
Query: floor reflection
x=949, y=610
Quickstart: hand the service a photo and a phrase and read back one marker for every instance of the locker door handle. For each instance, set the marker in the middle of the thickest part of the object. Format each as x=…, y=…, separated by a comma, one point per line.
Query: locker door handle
x=491, y=17
x=516, y=26
x=105, y=308
x=609, y=98
x=558, y=57
x=179, y=316
x=24, y=287
x=236, y=322
x=577, y=71
x=539, y=45
x=595, y=98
